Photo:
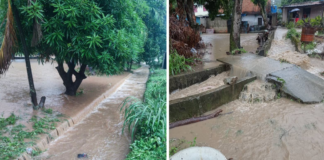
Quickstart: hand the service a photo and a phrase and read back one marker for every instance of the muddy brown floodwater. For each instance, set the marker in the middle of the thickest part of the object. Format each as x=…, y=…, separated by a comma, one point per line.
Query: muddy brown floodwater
x=100, y=134
x=282, y=48
x=210, y=83
x=280, y=129
x=14, y=89
x=220, y=45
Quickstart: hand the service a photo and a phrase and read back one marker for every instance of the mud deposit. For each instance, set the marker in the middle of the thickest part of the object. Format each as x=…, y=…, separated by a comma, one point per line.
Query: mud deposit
x=100, y=133
x=210, y=83
x=280, y=129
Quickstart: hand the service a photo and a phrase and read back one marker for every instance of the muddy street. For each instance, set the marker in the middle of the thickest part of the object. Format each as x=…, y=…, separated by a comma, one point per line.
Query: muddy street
x=100, y=133
x=279, y=129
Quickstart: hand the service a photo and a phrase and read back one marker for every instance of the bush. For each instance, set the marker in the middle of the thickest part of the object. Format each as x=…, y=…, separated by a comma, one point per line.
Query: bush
x=178, y=63
x=292, y=32
x=290, y=25
x=147, y=120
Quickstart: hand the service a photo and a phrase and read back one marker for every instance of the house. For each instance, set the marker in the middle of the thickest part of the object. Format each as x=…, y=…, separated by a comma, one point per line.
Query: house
x=201, y=14
x=252, y=13
x=310, y=9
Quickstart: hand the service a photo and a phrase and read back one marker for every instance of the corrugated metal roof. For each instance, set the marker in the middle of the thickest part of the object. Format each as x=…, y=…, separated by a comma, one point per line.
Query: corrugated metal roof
x=302, y=4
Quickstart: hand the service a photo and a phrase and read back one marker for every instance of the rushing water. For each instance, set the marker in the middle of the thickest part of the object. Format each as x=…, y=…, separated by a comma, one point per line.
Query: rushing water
x=268, y=129
x=280, y=129
x=100, y=134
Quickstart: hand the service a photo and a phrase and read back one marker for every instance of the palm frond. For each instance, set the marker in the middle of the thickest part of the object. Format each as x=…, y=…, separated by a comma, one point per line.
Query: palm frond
x=9, y=42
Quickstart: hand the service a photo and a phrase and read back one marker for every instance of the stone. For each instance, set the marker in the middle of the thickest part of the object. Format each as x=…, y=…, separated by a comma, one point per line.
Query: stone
x=230, y=80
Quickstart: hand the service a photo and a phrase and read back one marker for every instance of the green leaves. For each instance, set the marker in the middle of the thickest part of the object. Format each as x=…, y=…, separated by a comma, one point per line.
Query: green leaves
x=35, y=10
x=94, y=40
x=148, y=119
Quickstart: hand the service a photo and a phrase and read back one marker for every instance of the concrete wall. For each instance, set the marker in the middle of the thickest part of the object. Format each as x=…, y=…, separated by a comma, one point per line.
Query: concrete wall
x=188, y=79
x=284, y=15
x=196, y=105
x=316, y=11
x=252, y=19
x=218, y=24
x=203, y=21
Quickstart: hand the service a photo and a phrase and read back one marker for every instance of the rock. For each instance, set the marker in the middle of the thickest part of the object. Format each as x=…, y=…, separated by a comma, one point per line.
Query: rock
x=230, y=80
x=193, y=51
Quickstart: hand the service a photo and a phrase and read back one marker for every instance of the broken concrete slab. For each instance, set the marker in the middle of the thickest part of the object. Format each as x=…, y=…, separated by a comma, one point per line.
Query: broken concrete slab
x=299, y=84
x=258, y=65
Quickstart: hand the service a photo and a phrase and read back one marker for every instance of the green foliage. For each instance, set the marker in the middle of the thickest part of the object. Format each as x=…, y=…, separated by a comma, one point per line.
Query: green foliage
x=292, y=32
x=13, y=137
x=290, y=25
x=48, y=111
x=240, y=50
x=310, y=46
x=147, y=120
x=8, y=121
x=175, y=149
x=80, y=92
x=178, y=63
x=316, y=22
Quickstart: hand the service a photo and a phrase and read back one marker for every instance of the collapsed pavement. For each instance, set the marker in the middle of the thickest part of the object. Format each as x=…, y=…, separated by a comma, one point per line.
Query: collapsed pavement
x=293, y=80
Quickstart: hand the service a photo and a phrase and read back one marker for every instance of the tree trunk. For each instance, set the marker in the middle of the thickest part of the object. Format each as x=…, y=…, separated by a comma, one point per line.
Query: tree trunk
x=67, y=77
x=264, y=15
x=190, y=13
x=26, y=53
x=236, y=26
x=164, y=61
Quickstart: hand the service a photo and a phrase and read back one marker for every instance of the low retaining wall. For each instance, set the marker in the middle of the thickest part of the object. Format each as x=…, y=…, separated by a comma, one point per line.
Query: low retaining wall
x=262, y=50
x=188, y=79
x=196, y=105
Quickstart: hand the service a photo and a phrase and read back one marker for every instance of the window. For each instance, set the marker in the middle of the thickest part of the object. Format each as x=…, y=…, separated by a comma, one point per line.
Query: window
x=306, y=12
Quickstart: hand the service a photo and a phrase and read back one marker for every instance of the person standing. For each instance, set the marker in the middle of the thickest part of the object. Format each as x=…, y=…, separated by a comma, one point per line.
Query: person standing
x=297, y=17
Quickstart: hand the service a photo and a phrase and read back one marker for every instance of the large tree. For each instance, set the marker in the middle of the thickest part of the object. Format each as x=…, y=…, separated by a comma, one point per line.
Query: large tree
x=83, y=32
x=262, y=4
x=232, y=9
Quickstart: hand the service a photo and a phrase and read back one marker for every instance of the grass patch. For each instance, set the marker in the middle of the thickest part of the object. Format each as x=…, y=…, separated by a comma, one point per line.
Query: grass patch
x=175, y=149
x=178, y=63
x=14, y=137
x=147, y=120
x=48, y=111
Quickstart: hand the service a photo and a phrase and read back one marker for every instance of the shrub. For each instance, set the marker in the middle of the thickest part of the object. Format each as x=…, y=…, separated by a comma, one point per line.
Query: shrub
x=178, y=63
x=147, y=120
x=290, y=25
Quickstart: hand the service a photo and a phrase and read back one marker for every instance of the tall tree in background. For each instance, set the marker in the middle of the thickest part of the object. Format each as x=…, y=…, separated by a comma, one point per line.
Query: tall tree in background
x=262, y=5
x=81, y=33
x=232, y=9
x=235, y=38
x=9, y=45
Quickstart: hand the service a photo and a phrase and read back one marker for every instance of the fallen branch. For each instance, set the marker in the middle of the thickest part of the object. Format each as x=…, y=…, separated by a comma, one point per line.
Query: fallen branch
x=194, y=120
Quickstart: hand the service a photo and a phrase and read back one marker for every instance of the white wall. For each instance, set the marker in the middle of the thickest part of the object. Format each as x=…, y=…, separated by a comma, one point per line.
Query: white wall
x=218, y=24
x=200, y=12
x=316, y=11
x=284, y=15
x=203, y=21
x=252, y=19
